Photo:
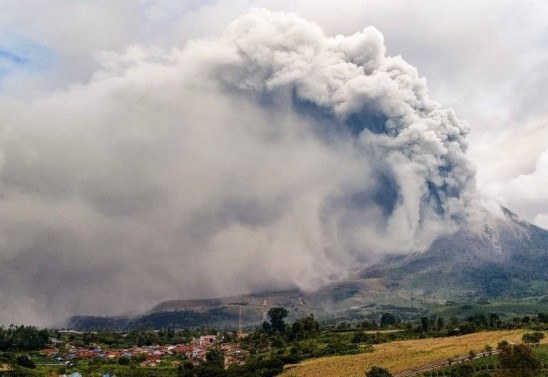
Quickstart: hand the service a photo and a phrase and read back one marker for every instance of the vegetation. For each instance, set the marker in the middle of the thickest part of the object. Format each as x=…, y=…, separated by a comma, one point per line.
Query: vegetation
x=22, y=338
x=304, y=347
x=513, y=361
x=401, y=355
x=378, y=372
x=518, y=361
x=533, y=338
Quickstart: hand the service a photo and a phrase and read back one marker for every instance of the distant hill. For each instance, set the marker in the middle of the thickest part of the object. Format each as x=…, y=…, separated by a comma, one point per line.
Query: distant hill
x=221, y=312
x=500, y=265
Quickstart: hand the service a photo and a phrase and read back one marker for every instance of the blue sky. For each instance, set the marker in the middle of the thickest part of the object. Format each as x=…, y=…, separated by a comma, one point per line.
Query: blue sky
x=19, y=55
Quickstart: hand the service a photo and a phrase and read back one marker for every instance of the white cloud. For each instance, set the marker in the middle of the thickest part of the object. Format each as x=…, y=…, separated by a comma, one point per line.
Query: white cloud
x=271, y=157
x=527, y=192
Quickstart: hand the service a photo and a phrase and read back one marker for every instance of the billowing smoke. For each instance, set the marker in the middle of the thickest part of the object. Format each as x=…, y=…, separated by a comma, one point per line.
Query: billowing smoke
x=271, y=157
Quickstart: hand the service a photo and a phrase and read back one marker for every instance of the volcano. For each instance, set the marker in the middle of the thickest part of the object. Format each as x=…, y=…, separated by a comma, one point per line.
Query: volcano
x=498, y=265
x=502, y=259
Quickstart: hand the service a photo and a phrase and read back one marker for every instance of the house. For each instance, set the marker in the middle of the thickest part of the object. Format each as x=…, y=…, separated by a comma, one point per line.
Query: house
x=151, y=362
x=183, y=349
x=207, y=340
x=50, y=351
x=55, y=341
x=197, y=352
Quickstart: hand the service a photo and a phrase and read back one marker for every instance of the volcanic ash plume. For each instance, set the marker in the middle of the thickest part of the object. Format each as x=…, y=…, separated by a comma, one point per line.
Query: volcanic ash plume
x=271, y=157
x=414, y=177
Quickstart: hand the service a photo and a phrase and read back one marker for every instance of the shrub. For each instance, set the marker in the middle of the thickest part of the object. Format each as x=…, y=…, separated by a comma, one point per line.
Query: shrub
x=471, y=354
x=25, y=362
x=534, y=337
x=502, y=344
x=378, y=372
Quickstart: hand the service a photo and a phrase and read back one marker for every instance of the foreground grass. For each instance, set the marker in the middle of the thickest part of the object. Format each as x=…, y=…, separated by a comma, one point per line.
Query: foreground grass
x=401, y=355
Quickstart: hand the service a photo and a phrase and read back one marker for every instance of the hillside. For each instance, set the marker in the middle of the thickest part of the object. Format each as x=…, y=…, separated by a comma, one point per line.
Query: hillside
x=400, y=355
x=221, y=312
x=505, y=260
x=498, y=266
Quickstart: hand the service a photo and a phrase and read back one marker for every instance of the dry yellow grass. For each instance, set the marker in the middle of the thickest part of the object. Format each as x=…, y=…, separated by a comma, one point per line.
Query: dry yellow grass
x=400, y=355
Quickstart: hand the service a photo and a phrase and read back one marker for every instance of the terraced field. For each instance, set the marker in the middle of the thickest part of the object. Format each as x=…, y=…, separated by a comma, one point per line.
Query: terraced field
x=401, y=355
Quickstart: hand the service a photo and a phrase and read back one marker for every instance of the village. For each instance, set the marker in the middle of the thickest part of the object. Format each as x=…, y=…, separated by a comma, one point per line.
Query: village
x=195, y=352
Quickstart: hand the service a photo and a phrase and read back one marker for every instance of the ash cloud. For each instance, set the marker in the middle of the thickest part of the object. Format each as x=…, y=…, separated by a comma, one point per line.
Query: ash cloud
x=273, y=156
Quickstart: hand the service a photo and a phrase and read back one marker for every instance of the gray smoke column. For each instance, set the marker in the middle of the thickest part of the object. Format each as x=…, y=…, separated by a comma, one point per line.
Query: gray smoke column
x=271, y=157
x=412, y=149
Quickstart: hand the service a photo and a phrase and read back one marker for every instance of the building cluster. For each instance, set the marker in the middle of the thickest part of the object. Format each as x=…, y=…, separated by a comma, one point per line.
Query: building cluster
x=152, y=356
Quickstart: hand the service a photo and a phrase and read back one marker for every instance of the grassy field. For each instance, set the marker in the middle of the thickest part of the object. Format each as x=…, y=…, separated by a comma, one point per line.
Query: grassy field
x=401, y=355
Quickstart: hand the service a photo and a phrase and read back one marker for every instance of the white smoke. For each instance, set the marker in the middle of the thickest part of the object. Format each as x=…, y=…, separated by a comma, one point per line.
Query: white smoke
x=271, y=157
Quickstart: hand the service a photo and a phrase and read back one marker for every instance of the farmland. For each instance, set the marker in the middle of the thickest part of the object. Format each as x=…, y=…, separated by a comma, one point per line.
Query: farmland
x=400, y=355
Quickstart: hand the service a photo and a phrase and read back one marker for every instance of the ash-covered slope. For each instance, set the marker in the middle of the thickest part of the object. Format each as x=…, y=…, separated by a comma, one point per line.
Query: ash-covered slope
x=222, y=312
x=503, y=258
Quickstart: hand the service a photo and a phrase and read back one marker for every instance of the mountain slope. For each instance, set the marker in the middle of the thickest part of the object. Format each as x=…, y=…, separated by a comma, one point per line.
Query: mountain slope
x=502, y=259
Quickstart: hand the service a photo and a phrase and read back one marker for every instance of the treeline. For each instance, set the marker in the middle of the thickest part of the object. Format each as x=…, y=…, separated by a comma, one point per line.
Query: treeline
x=440, y=326
x=126, y=339
x=22, y=338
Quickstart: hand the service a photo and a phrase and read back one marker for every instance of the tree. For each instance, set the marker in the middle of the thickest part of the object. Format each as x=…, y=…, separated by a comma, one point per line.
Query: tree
x=310, y=325
x=425, y=324
x=378, y=372
x=472, y=354
x=441, y=323
x=215, y=357
x=533, y=337
x=388, y=319
x=303, y=328
x=502, y=344
x=494, y=320
x=453, y=322
x=267, y=327
x=25, y=361
x=518, y=361
x=22, y=338
x=124, y=360
x=185, y=370
x=278, y=342
x=277, y=315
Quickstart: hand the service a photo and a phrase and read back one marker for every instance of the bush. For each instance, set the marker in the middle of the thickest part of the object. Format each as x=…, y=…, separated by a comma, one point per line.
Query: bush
x=502, y=344
x=378, y=372
x=471, y=354
x=25, y=362
x=534, y=337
